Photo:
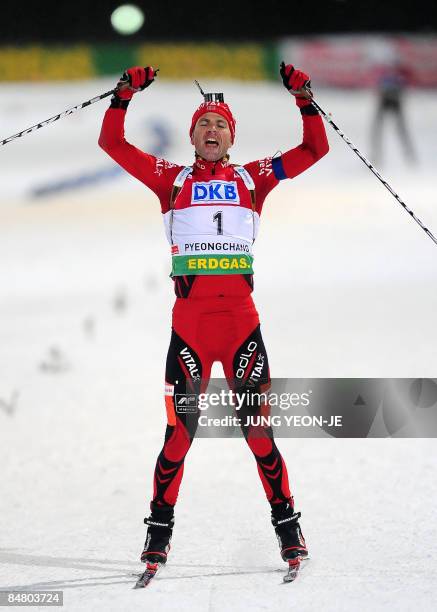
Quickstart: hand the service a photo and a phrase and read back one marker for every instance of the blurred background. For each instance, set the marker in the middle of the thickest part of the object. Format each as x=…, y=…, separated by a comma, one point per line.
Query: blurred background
x=85, y=298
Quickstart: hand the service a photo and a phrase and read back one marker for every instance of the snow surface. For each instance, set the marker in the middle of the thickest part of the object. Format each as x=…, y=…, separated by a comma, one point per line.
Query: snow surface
x=345, y=285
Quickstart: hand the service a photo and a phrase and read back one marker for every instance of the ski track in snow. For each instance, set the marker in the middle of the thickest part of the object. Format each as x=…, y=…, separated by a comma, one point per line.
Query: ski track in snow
x=345, y=286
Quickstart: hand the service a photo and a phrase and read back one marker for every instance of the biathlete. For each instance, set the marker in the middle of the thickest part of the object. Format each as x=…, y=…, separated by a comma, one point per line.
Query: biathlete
x=211, y=211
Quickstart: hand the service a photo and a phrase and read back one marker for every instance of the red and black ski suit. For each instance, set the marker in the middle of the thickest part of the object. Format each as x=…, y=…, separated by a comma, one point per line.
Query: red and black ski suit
x=214, y=317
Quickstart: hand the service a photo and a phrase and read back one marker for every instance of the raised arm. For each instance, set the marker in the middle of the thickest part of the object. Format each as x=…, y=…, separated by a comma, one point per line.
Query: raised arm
x=267, y=172
x=139, y=164
x=314, y=143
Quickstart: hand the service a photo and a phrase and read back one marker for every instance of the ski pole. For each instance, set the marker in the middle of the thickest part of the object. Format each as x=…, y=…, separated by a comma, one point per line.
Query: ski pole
x=372, y=169
x=69, y=111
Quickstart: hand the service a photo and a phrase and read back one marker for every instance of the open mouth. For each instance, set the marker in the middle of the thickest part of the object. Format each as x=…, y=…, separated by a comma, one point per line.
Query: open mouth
x=211, y=142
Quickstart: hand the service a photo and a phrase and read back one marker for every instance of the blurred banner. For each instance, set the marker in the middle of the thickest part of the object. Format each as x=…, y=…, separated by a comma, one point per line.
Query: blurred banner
x=176, y=61
x=357, y=61
x=339, y=61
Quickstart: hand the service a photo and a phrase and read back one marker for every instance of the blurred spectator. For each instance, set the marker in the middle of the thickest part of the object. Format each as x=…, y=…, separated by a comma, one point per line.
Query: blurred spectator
x=392, y=81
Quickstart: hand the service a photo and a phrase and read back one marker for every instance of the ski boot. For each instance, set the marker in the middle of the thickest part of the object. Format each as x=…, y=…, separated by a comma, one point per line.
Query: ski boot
x=291, y=541
x=160, y=528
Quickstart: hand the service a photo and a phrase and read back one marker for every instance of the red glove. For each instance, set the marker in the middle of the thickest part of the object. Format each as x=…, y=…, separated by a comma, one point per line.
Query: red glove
x=132, y=80
x=297, y=83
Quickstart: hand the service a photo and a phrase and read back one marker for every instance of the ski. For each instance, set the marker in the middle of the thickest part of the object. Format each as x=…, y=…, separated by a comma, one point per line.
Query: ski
x=147, y=576
x=294, y=566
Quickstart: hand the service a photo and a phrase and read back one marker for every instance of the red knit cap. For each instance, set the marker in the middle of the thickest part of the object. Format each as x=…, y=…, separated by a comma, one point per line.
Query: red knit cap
x=221, y=108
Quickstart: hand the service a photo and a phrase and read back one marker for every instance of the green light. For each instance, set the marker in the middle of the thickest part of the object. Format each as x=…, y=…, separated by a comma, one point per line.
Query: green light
x=127, y=19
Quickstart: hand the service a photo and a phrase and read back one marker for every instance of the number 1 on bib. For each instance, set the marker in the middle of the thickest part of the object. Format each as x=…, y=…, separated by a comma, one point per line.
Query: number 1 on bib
x=219, y=218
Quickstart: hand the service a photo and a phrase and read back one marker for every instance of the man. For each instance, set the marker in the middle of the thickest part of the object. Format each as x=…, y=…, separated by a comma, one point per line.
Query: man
x=391, y=81
x=211, y=214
